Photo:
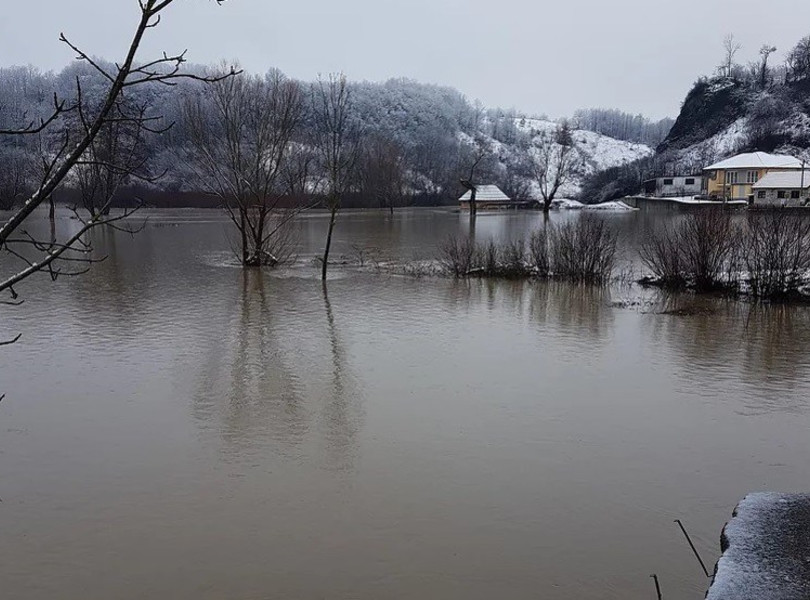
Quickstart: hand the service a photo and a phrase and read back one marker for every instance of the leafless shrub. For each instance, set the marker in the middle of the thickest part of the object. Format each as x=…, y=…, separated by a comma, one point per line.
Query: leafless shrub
x=777, y=254
x=457, y=255
x=490, y=253
x=364, y=254
x=703, y=252
x=513, y=260
x=584, y=250
x=661, y=254
x=539, y=252
x=708, y=240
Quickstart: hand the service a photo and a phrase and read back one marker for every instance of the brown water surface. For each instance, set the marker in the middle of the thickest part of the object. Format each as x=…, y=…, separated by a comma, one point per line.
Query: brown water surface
x=177, y=428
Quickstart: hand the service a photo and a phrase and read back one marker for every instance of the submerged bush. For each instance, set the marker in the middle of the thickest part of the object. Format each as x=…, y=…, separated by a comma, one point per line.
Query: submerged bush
x=457, y=255
x=707, y=252
x=539, y=251
x=583, y=251
x=701, y=253
x=777, y=254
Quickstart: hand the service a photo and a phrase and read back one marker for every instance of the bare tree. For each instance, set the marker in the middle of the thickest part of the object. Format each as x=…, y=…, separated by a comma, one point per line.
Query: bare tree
x=383, y=172
x=556, y=161
x=71, y=148
x=241, y=139
x=798, y=60
x=14, y=175
x=480, y=150
x=730, y=47
x=765, y=52
x=338, y=141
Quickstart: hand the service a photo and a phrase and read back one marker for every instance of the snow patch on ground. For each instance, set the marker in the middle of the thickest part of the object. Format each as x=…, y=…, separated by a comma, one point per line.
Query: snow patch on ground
x=766, y=550
x=566, y=204
x=615, y=206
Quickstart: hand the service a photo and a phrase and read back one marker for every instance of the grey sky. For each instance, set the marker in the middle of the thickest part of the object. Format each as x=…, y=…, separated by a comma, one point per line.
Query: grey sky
x=539, y=56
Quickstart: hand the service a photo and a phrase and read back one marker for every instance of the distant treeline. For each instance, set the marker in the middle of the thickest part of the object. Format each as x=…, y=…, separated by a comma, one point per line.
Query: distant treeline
x=418, y=139
x=623, y=126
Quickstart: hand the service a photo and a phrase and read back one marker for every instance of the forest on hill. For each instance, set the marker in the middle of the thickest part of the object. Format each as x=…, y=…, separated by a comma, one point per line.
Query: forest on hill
x=415, y=140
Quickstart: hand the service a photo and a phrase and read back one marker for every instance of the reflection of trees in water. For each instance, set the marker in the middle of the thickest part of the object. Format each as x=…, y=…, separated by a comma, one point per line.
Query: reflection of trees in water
x=114, y=291
x=761, y=346
x=271, y=383
x=249, y=392
x=342, y=416
x=578, y=309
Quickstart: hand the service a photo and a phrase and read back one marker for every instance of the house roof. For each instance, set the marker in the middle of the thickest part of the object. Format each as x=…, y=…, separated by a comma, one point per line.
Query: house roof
x=486, y=193
x=785, y=180
x=757, y=160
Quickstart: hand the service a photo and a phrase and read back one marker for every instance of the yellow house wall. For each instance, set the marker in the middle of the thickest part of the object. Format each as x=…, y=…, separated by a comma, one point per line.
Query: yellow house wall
x=741, y=189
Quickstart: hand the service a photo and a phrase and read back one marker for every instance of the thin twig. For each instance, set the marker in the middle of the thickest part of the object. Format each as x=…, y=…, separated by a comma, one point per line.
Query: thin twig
x=694, y=550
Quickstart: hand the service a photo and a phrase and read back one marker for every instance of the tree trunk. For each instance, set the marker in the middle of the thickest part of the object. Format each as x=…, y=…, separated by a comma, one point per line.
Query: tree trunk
x=473, y=207
x=52, y=209
x=325, y=264
x=243, y=233
x=547, y=204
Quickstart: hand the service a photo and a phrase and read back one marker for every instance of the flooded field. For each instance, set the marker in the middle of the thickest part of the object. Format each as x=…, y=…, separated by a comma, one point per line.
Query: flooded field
x=177, y=428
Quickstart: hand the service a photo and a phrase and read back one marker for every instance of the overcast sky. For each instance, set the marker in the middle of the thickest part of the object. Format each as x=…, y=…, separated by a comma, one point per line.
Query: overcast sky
x=539, y=56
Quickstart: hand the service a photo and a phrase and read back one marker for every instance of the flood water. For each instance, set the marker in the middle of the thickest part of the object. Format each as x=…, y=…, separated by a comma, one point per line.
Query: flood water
x=177, y=428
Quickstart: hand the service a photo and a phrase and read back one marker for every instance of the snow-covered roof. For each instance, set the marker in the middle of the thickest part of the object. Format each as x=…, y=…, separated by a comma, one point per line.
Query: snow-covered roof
x=486, y=193
x=784, y=180
x=757, y=160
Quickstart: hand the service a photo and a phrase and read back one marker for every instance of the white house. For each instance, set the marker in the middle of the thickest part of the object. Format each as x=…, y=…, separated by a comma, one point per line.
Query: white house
x=787, y=188
x=672, y=187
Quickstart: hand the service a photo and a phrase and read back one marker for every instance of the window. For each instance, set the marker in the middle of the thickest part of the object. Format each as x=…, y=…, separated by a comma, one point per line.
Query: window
x=761, y=194
x=753, y=177
x=689, y=181
x=667, y=182
x=781, y=194
x=794, y=194
x=731, y=177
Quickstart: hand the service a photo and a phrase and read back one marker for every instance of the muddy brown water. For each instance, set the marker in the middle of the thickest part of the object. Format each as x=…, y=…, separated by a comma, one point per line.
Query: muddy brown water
x=177, y=428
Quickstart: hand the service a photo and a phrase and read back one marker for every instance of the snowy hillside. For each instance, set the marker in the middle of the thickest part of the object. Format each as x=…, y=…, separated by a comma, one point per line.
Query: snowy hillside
x=598, y=152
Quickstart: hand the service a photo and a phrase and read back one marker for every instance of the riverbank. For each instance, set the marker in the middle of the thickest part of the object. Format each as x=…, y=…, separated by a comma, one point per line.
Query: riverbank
x=681, y=203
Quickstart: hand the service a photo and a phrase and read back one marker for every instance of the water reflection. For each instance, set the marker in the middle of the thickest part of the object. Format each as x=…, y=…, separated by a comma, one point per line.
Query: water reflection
x=719, y=342
x=581, y=309
x=342, y=414
x=414, y=437
x=277, y=380
x=249, y=392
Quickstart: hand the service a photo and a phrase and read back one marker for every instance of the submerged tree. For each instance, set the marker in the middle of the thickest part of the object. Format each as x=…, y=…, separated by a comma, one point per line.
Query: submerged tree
x=556, y=161
x=382, y=173
x=338, y=142
x=241, y=130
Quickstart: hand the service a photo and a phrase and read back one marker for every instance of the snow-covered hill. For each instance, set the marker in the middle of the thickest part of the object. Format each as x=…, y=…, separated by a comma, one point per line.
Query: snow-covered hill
x=597, y=151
